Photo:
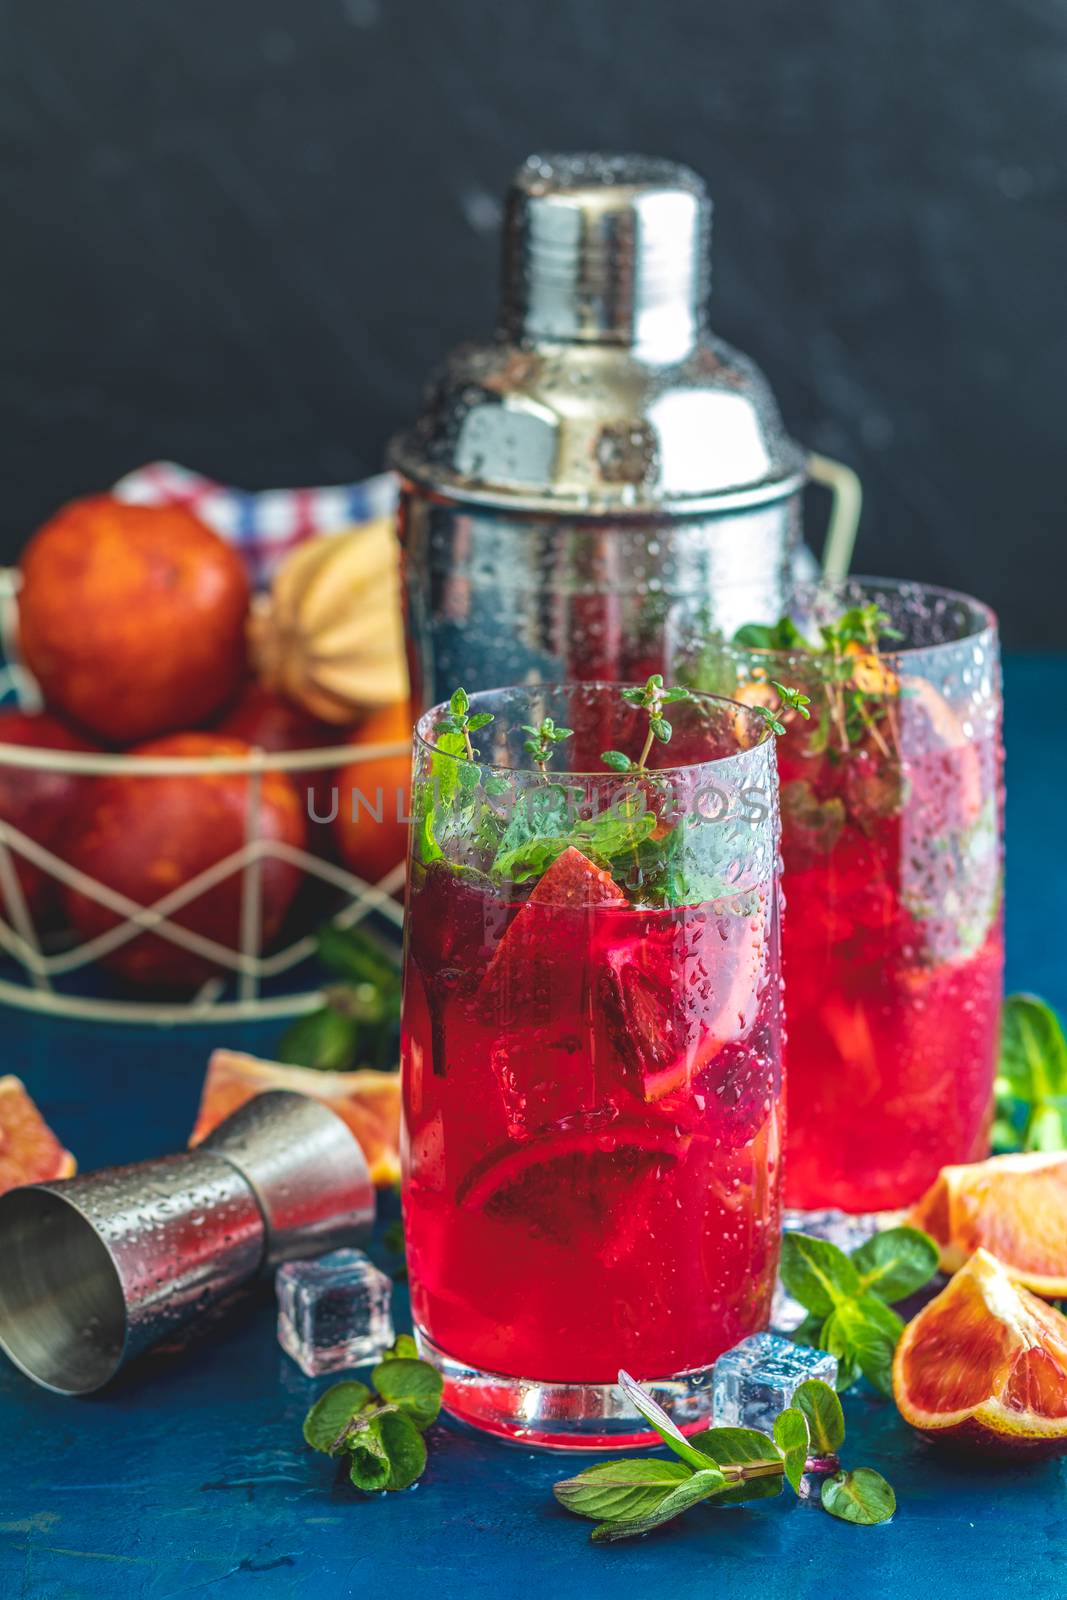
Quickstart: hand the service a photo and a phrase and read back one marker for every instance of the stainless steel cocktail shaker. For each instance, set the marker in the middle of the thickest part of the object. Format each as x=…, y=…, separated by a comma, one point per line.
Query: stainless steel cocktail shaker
x=592, y=491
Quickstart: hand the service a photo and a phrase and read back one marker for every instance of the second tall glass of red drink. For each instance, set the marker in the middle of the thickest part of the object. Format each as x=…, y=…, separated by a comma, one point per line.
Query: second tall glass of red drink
x=591, y=1057
x=891, y=834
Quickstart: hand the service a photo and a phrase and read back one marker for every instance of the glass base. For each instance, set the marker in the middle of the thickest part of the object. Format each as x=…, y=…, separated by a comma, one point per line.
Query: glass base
x=565, y=1416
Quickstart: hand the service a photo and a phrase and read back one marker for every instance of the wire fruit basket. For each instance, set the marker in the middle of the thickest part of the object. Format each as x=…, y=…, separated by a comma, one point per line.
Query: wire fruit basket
x=57, y=972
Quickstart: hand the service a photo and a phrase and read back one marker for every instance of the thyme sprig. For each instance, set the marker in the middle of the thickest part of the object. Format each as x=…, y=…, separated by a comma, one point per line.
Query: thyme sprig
x=652, y=699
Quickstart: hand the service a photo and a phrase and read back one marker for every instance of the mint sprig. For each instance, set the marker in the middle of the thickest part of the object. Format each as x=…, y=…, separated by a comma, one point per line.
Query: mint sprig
x=378, y=1431
x=1031, y=1082
x=723, y=1466
x=849, y=1297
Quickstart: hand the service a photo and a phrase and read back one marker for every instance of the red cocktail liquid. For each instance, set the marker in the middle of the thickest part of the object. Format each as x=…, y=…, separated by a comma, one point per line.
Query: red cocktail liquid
x=893, y=960
x=592, y=1124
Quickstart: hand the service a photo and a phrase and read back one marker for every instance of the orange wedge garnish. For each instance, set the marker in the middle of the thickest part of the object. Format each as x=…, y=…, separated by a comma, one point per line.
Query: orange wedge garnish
x=985, y=1366
x=1015, y=1206
x=29, y=1150
x=368, y=1101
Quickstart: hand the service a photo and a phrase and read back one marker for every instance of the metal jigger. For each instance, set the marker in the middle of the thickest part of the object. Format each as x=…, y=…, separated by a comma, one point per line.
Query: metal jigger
x=94, y=1270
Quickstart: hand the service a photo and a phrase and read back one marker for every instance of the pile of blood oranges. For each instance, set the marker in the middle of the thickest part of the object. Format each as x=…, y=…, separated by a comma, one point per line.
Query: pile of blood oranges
x=134, y=621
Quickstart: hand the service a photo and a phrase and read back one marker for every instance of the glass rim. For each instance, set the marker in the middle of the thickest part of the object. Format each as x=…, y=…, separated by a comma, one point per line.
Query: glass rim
x=762, y=730
x=985, y=617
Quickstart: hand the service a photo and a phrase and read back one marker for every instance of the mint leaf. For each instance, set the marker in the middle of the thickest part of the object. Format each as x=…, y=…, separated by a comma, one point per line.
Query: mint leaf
x=405, y=1449
x=861, y=1496
x=538, y=833
x=459, y=704
x=354, y=954
x=698, y=1486
x=864, y=1332
x=655, y=1415
x=745, y=1452
x=793, y=1440
x=413, y=1386
x=816, y=1272
x=331, y=1414
x=782, y=635
x=616, y=1490
x=809, y=1332
x=616, y=760
x=403, y=1347
x=825, y=1418
x=895, y=1263
x=875, y=1335
x=368, y=1460
x=1032, y=1071
x=324, y=1040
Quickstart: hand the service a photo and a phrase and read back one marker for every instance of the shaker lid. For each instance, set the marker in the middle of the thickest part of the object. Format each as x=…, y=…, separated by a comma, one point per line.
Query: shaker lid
x=603, y=391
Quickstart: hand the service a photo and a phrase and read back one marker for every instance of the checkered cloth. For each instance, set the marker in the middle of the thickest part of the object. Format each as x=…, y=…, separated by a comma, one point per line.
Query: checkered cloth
x=266, y=525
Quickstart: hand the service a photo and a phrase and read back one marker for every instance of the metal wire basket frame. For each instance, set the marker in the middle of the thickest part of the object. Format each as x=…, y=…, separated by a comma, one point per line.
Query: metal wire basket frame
x=19, y=937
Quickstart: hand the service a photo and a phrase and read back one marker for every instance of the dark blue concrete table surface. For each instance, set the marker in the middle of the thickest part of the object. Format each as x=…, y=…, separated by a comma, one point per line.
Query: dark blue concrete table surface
x=190, y=1477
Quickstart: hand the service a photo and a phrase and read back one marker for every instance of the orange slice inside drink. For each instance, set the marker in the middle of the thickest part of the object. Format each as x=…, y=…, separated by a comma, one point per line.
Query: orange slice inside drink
x=572, y=1183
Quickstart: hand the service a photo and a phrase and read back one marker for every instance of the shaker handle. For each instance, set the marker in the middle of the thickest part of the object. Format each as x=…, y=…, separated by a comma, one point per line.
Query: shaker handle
x=847, y=491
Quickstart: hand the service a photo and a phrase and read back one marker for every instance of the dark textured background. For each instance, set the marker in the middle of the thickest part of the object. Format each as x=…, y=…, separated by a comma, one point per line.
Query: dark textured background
x=238, y=232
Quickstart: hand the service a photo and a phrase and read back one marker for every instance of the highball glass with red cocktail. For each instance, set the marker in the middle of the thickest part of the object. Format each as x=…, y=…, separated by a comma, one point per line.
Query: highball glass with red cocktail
x=591, y=1058
x=891, y=834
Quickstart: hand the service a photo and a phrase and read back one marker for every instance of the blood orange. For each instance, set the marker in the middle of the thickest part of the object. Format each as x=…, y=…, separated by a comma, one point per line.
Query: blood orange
x=1015, y=1206
x=374, y=796
x=367, y=1100
x=29, y=1150
x=574, y=880
x=985, y=1366
x=573, y=1184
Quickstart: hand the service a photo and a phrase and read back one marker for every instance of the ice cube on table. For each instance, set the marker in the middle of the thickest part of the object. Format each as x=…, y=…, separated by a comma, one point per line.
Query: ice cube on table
x=758, y=1378
x=842, y=1228
x=837, y=1227
x=335, y=1312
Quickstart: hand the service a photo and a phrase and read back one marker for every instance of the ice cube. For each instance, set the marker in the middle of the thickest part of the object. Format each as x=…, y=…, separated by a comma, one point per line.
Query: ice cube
x=848, y=1232
x=757, y=1379
x=334, y=1313
x=838, y=1227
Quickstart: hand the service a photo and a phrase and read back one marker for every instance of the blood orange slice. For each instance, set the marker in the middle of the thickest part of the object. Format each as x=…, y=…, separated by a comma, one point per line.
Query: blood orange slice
x=921, y=704
x=573, y=880
x=29, y=1150
x=674, y=1002
x=535, y=996
x=985, y=1366
x=570, y=1185
x=1015, y=1206
x=368, y=1101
